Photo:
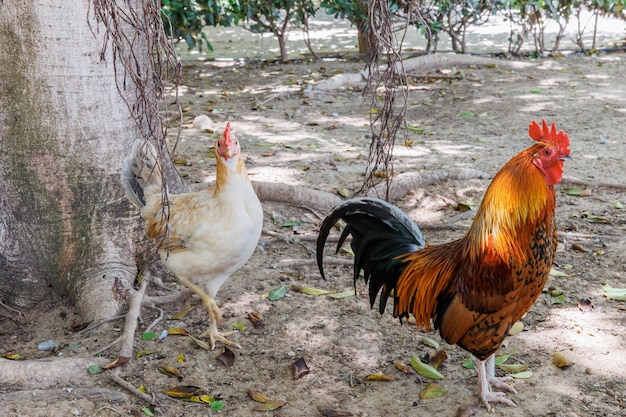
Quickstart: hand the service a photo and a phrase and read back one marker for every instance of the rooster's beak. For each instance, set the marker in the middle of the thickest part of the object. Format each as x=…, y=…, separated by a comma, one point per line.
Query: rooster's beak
x=566, y=157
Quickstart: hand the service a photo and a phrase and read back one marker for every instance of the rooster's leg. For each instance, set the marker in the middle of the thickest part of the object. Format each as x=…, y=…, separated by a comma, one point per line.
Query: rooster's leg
x=494, y=381
x=215, y=317
x=486, y=380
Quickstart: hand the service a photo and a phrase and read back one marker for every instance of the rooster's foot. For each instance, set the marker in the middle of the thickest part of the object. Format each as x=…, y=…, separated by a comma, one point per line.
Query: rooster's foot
x=499, y=383
x=495, y=397
x=487, y=379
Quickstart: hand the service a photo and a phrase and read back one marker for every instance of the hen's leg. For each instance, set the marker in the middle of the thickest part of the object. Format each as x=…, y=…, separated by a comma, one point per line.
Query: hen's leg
x=215, y=317
x=485, y=381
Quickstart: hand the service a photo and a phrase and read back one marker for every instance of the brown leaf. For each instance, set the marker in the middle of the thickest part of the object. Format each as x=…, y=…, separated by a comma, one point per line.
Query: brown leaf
x=380, y=377
x=404, y=368
x=227, y=357
x=170, y=371
x=270, y=406
x=258, y=397
x=256, y=319
x=438, y=358
x=184, y=391
x=300, y=368
x=336, y=413
x=119, y=361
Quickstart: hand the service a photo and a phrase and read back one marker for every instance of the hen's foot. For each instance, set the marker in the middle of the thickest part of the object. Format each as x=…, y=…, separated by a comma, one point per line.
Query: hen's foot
x=214, y=336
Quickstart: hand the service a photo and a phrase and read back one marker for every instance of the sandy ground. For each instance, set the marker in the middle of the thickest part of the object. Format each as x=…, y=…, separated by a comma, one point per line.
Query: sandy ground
x=477, y=119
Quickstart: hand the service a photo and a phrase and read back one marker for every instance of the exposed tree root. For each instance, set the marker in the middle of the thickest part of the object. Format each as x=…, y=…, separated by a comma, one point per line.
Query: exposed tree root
x=50, y=372
x=568, y=181
x=324, y=202
x=298, y=196
x=420, y=63
x=294, y=263
x=132, y=317
x=403, y=183
x=132, y=389
x=100, y=395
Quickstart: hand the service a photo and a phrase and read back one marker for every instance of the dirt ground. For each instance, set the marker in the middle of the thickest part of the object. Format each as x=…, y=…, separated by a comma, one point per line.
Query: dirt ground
x=471, y=117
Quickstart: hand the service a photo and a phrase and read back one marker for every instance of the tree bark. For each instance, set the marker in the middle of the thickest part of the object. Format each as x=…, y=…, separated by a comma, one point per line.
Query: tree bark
x=65, y=127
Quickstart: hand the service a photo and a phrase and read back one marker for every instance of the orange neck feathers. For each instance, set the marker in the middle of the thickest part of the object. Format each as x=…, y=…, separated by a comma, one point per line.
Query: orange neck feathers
x=517, y=198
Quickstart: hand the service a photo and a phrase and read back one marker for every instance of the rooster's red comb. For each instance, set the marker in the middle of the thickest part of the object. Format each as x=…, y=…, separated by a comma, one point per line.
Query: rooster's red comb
x=549, y=135
x=227, y=134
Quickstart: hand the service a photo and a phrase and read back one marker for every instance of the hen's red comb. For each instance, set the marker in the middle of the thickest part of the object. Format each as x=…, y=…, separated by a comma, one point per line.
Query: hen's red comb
x=549, y=135
x=227, y=134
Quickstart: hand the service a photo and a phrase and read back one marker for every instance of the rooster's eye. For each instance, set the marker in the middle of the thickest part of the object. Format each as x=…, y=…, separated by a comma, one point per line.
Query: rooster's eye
x=547, y=152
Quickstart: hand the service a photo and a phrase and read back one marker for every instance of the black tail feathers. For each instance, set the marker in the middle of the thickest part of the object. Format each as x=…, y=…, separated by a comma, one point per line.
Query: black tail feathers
x=380, y=233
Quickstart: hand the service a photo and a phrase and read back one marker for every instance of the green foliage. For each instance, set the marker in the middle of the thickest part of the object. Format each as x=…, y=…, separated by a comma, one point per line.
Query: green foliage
x=274, y=16
x=184, y=19
x=271, y=15
x=354, y=11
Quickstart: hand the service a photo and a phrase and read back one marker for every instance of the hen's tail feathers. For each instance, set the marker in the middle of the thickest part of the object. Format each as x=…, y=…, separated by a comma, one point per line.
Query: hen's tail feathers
x=380, y=234
x=141, y=169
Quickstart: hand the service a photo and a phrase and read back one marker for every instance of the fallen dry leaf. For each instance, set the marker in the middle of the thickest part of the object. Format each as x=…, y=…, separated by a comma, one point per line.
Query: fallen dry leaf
x=184, y=391
x=119, y=361
x=433, y=390
x=256, y=319
x=257, y=396
x=560, y=361
x=177, y=331
x=438, y=358
x=170, y=371
x=404, y=368
x=227, y=357
x=516, y=328
x=183, y=313
x=380, y=377
x=300, y=368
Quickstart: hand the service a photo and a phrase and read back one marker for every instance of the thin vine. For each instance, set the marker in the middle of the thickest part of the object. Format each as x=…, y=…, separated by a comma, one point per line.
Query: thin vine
x=385, y=120
x=143, y=60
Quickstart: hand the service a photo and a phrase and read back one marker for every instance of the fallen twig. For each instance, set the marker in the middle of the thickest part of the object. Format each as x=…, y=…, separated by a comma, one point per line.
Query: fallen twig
x=131, y=388
x=157, y=320
x=132, y=317
x=107, y=347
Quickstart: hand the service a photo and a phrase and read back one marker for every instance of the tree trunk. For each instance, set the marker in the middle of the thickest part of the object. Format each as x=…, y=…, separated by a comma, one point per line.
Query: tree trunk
x=65, y=127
